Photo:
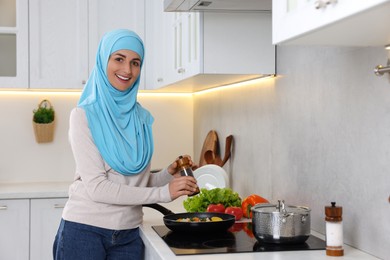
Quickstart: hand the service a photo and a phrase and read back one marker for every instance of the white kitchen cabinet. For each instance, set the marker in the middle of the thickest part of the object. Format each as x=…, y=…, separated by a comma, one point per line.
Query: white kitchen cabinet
x=28, y=227
x=58, y=44
x=106, y=15
x=14, y=229
x=64, y=36
x=45, y=218
x=186, y=43
x=14, y=44
x=331, y=22
x=158, y=54
x=205, y=50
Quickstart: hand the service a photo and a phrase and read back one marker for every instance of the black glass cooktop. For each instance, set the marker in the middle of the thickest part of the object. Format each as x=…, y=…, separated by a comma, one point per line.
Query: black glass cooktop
x=238, y=239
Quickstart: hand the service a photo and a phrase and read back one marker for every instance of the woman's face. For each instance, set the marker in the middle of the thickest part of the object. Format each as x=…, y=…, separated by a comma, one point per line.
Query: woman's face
x=123, y=69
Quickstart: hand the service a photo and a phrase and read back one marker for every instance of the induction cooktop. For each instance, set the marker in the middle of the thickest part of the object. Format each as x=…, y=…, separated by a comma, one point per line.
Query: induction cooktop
x=238, y=239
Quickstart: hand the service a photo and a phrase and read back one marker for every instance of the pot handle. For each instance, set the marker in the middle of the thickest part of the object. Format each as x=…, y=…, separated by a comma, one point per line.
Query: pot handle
x=158, y=207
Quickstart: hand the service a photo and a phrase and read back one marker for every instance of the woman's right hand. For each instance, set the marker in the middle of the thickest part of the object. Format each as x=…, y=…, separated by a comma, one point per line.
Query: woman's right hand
x=184, y=185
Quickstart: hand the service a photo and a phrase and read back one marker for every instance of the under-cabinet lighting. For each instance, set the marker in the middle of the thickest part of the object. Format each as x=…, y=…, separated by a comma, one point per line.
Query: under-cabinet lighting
x=163, y=94
x=78, y=93
x=235, y=85
x=40, y=92
x=387, y=47
x=141, y=93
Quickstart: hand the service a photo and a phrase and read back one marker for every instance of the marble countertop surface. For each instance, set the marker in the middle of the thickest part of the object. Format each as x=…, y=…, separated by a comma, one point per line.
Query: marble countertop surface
x=34, y=190
x=155, y=246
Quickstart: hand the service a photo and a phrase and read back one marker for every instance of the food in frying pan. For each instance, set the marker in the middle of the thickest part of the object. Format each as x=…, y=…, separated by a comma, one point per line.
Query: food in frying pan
x=197, y=219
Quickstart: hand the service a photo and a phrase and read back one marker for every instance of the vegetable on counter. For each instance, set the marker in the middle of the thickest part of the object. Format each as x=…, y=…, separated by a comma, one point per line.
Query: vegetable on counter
x=235, y=211
x=199, y=203
x=249, y=202
x=216, y=208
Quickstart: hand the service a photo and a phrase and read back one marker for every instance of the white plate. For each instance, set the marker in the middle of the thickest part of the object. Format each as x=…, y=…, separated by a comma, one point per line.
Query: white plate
x=211, y=176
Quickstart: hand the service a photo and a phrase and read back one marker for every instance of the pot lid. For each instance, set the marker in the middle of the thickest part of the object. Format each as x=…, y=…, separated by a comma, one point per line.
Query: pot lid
x=279, y=208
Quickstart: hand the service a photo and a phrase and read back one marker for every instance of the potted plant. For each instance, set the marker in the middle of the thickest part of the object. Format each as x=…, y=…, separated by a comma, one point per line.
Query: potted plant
x=43, y=122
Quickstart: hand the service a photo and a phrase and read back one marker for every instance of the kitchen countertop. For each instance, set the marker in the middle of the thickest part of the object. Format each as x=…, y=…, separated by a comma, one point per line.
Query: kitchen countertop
x=35, y=190
x=155, y=246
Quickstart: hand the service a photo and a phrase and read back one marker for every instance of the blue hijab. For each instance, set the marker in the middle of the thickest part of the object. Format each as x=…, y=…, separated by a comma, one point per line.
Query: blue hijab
x=121, y=128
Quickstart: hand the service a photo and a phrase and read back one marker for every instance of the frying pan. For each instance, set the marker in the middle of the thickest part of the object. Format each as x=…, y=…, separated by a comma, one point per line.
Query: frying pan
x=170, y=220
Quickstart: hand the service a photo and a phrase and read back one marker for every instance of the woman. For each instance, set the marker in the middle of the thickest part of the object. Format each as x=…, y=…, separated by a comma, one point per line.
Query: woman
x=111, y=138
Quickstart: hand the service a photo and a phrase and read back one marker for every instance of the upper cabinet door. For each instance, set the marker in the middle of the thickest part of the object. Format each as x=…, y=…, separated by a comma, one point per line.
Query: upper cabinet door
x=156, y=47
x=14, y=44
x=58, y=44
x=106, y=15
x=331, y=22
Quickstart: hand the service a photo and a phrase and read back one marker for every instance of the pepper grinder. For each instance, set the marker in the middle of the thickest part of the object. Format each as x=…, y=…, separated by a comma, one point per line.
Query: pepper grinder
x=334, y=230
x=183, y=163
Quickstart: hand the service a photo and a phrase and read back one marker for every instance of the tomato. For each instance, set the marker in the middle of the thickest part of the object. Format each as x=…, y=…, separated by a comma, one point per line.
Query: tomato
x=235, y=211
x=237, y=227
x=216, y=208
x=249, y=202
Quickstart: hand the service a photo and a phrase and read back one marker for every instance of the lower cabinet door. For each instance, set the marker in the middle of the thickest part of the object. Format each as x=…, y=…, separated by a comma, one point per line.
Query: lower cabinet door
x=14, y=229
x=45, y=219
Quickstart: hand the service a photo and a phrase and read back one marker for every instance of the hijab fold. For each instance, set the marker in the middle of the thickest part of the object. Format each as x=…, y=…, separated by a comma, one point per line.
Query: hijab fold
x=121, y=128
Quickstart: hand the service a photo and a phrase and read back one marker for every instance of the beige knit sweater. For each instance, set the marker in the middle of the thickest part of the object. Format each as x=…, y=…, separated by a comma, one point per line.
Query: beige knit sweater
x=102, y=197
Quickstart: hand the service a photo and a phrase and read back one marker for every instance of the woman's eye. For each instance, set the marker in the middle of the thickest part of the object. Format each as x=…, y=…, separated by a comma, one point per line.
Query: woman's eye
x=135, y=63
x=119, y=59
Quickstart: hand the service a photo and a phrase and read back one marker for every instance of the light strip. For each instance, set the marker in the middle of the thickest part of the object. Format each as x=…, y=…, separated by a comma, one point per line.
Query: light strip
x=39, y=92
x=141, y=93
x=235, y=85
x=163, y=94
x=78, y=93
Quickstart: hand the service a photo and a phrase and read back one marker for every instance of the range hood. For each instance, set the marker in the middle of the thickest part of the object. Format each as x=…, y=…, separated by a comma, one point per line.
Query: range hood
x=217, y=5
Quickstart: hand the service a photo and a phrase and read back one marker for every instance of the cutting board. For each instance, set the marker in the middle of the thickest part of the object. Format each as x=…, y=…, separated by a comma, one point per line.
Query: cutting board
x=210, y=143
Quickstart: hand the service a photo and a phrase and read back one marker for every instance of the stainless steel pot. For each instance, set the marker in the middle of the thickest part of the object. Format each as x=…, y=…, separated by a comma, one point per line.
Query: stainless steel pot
x=281, y=224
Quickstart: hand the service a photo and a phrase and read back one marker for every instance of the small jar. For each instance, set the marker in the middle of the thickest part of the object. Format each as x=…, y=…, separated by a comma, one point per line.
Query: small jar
x=183, y=163
x=334, y=230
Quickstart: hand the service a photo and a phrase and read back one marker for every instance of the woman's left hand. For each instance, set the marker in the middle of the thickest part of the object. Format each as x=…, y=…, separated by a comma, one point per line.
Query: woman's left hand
x=174, y=171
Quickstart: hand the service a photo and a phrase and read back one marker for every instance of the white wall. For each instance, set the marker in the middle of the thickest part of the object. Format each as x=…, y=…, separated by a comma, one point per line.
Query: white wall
x=24, y=160
x=319, y=132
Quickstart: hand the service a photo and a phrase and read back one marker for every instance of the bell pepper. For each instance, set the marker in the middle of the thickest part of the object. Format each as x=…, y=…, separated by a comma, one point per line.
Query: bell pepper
x=249, y=202
x=248, y=228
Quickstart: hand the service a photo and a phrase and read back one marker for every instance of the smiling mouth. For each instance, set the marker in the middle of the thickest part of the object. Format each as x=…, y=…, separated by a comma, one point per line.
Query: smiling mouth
x=122, y=78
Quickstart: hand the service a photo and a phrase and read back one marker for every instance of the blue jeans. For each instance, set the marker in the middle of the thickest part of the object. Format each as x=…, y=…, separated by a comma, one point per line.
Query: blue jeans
x=84, y=242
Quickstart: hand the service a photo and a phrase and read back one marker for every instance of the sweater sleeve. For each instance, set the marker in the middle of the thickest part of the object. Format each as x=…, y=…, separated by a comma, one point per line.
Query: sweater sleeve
x=160, y=178
x=100, y=182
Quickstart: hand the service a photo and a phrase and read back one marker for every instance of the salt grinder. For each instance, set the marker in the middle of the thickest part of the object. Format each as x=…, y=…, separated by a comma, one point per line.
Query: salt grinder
x=183, y=163
x=334, y=230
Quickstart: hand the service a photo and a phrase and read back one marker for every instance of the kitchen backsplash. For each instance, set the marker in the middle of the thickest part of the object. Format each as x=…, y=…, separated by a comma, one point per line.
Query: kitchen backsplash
x=24, y=160
x=319, y=132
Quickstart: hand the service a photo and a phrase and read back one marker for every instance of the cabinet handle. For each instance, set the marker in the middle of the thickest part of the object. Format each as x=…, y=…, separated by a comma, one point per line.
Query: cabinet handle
x=160, y=80
x=59, y=206
x=328, y=2
x=319, y=4
x=181, y=70
x=3, y=207
x=83, y=82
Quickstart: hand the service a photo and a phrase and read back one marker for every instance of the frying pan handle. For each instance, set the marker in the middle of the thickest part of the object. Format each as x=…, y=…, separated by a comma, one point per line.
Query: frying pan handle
x=158, y=207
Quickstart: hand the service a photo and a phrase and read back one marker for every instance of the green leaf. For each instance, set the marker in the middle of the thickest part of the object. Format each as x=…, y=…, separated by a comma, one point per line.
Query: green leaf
x=201, y=201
